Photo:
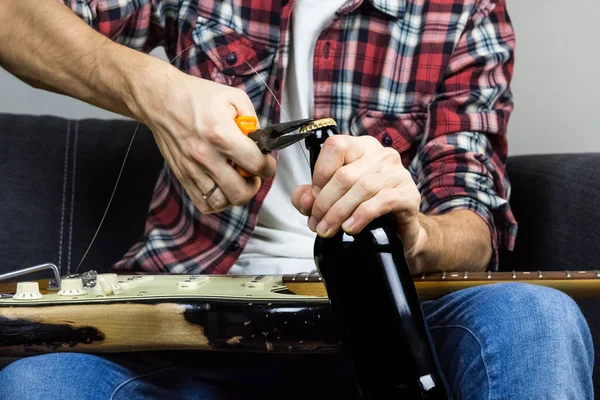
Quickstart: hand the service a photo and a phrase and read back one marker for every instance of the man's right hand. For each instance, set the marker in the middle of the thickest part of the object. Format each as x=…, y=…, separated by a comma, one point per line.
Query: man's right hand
x=193, y=124
x=45, y=44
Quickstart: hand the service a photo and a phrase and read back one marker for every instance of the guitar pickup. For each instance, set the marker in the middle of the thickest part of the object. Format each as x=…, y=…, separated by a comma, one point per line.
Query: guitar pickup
x=259, y=282
x=135, y=281
x=192, y=282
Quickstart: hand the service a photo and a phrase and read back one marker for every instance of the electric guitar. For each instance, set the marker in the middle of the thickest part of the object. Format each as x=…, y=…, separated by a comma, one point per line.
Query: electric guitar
x=100, y=313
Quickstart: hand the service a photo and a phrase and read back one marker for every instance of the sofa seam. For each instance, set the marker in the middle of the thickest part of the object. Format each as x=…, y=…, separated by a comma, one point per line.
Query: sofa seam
x=64, y=190
x=74, y=169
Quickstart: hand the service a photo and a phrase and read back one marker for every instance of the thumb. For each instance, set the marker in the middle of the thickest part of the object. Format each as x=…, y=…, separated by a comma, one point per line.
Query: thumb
x=303, y=199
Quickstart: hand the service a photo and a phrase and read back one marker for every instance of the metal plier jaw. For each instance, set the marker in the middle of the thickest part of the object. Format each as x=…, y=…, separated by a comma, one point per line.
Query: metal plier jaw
x=279, y=136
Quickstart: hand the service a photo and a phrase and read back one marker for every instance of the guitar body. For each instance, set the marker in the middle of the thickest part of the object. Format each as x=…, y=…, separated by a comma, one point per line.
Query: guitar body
x=218, y=313
x=148, y=312
x=146, y=325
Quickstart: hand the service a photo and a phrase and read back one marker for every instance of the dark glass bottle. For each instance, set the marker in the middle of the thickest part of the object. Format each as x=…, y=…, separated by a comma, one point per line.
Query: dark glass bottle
x=373, y=297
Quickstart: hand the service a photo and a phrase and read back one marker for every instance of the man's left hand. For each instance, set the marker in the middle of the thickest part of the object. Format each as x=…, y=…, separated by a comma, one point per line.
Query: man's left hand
x=356, y=180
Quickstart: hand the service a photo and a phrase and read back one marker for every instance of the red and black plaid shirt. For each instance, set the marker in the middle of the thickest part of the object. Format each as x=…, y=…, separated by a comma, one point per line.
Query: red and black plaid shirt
x=428, y=77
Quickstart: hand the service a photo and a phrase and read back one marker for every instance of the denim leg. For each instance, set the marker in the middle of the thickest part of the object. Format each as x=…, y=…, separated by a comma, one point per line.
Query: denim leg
x=178, y=375
x=512, y=341
x=85, y=376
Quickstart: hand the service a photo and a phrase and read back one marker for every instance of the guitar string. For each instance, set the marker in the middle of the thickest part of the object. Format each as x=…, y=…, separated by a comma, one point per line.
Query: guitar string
x=280, y=106
x=129, y=149
x=119, y=178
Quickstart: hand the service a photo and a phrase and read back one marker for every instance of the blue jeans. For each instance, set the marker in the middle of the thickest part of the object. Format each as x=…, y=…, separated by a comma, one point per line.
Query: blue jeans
x=501, y=341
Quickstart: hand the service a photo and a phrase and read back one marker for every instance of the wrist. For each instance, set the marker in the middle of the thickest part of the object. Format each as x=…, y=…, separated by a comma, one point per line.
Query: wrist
x=145, y=86
x=137, y=93
x=418, y=255
x=458, y=240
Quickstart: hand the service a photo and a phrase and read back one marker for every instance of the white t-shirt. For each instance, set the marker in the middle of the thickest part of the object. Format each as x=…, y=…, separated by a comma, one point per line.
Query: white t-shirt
x=282, y=242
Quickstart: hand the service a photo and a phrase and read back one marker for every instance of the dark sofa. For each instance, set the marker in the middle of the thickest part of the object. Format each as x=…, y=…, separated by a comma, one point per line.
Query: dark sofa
x=57, y=176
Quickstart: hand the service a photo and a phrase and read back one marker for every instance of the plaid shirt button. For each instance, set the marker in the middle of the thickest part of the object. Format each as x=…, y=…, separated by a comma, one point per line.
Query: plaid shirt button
x=386, y=140
x=231, y=58
x=233, y=246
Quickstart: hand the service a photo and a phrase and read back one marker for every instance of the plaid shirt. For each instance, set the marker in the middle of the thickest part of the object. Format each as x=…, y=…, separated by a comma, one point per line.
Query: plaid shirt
x=428, y=77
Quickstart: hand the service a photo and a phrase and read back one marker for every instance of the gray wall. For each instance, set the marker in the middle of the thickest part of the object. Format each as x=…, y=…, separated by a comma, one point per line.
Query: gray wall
x=555, y=83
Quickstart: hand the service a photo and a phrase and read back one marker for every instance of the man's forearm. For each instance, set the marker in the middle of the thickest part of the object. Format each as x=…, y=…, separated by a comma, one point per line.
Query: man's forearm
x=45, y=44
x=459, y=240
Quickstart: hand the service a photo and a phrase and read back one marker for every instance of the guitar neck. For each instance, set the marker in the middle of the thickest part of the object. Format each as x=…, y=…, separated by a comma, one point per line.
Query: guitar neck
x=434, y=285
x=474, y=276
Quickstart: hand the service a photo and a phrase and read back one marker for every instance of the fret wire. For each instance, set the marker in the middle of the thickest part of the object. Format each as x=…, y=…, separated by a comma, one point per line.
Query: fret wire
x=310, y=276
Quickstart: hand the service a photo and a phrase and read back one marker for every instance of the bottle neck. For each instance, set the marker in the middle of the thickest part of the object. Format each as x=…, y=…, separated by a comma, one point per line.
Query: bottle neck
x=315, y=142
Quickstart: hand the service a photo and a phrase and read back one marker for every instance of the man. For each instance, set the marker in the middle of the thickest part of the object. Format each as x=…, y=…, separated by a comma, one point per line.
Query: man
x=421, y=91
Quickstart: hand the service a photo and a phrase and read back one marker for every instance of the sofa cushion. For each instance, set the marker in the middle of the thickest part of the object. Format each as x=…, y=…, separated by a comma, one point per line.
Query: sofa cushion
x=56, y=178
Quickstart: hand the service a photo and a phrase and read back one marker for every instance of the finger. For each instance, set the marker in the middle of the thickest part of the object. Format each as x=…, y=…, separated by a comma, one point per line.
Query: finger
x=244, y=152
x=195, y=194
x=199, y=176
x=190, y=186
x=242, y=103
x=341, y=182
x=242, y=106
x=336, y=152
x=399, y=199
x=366, y=187
x=216, y=200
x=236, y=189
x=303, y=199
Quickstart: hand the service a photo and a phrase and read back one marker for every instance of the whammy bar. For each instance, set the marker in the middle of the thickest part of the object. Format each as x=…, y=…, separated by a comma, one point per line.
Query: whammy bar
x=279, y=136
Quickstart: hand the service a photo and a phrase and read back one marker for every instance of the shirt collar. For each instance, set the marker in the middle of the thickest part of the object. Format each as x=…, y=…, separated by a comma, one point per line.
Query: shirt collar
x=393, y=8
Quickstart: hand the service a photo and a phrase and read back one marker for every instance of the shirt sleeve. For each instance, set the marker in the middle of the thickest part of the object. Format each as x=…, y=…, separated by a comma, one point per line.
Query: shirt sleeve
x=460, y=164
x=138, y=24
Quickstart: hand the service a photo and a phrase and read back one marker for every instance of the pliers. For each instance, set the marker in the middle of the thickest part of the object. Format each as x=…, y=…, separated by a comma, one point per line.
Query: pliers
x=273, y=137
x=278, y=136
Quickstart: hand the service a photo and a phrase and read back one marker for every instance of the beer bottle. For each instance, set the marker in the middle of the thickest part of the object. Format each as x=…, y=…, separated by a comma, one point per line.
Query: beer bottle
x=375, y=303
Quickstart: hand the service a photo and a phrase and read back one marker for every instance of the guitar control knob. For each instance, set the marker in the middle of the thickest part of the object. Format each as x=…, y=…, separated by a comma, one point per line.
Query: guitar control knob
x=108, y=284
x=112, y=279
x=72, y=287
x=27, y=291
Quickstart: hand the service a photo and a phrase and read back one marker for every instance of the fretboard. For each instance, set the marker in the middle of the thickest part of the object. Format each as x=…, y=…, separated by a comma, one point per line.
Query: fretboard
x=473, y=276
